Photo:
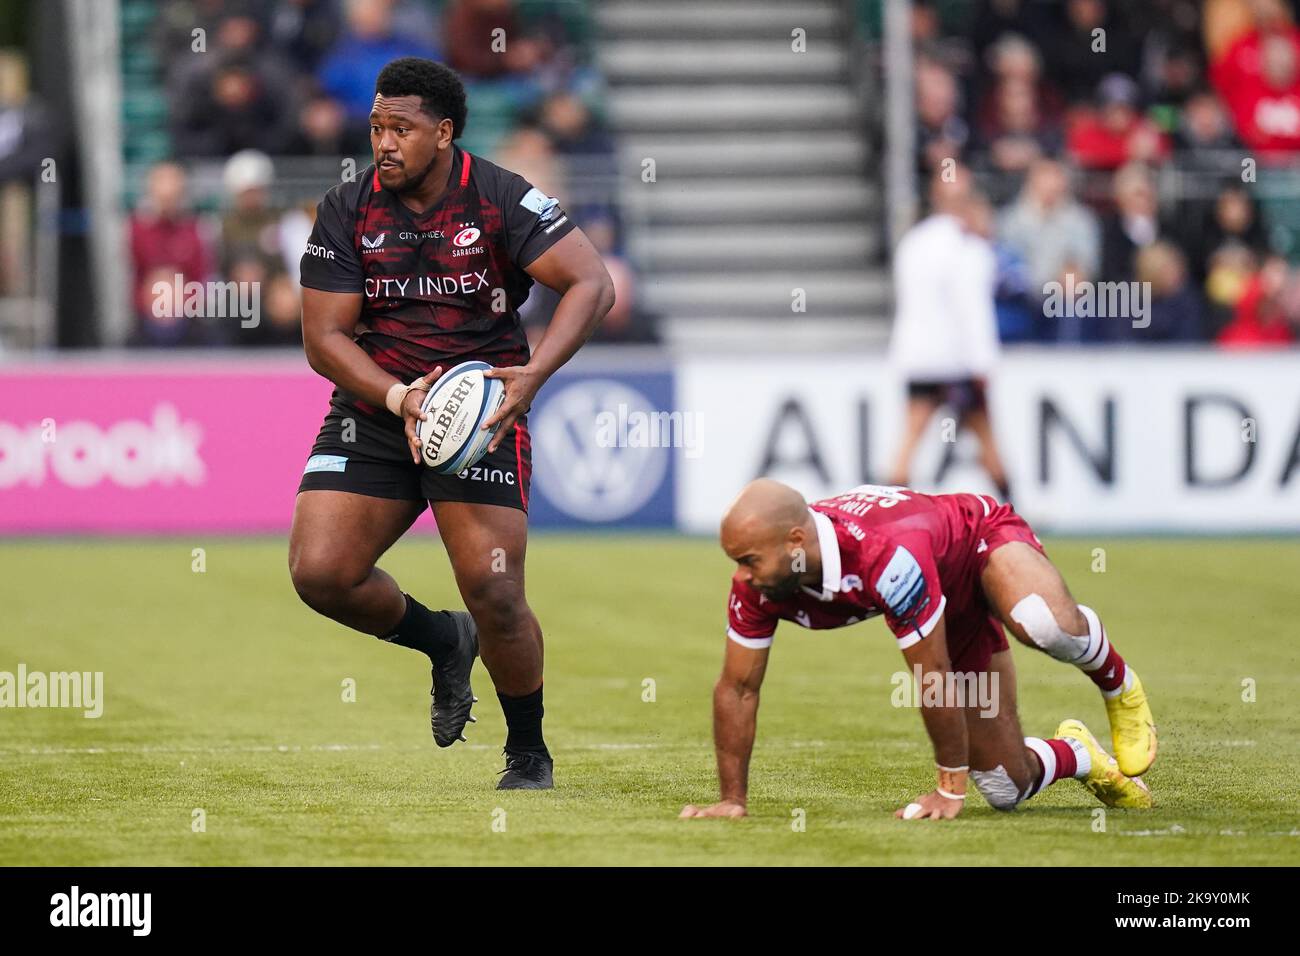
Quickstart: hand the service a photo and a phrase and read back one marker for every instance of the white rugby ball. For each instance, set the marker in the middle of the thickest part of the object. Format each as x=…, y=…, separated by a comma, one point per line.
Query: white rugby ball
x=458, y=404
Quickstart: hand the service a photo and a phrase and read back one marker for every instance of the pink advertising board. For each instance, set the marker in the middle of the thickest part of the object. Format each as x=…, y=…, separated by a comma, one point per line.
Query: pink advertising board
x=155, y=444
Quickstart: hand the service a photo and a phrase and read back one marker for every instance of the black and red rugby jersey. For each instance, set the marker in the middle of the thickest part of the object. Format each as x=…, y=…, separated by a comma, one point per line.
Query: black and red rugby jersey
x=442, y=287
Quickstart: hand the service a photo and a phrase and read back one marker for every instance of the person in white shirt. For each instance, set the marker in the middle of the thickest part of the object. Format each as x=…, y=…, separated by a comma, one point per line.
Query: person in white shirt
x=945, y=338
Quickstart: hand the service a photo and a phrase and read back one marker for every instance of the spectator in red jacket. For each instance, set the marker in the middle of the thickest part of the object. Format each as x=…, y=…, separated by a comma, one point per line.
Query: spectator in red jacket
x=1258, y=77
x=1014, y=62
x=166, y=240
x=1115, y=133
x=1261, y=320
x=470, y=29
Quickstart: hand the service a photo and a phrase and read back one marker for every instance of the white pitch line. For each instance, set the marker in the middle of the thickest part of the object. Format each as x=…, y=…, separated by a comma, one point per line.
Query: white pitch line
x=357, y=748
x=285, y=748
x=1177, y=830
x=1174, y=830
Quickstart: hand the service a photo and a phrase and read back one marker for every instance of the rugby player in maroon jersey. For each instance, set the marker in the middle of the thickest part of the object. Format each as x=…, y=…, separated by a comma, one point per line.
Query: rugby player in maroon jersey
x=418, y=264
x=948, y=572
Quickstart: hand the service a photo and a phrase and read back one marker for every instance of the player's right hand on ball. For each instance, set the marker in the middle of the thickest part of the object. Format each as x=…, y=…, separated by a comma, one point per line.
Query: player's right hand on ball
x=411, y=413
x=727, y=808
x=931, y=806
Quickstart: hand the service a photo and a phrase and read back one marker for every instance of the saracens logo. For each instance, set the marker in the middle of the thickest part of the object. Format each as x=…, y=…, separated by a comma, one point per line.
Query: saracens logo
x=466, y=237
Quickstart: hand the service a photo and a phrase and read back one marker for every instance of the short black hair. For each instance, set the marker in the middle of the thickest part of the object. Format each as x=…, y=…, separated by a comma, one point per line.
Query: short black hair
x=440, y=90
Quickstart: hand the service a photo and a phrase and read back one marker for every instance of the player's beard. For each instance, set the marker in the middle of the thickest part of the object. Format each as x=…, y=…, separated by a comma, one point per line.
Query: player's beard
x=782, y=590
x=411, y=183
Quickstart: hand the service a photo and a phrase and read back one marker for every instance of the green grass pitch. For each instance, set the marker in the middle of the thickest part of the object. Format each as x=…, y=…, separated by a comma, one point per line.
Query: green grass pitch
x=223, y=693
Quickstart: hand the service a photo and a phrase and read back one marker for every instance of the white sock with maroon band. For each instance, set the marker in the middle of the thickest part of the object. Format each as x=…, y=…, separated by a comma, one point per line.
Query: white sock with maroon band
x=1101, y=662
x=1059, y=757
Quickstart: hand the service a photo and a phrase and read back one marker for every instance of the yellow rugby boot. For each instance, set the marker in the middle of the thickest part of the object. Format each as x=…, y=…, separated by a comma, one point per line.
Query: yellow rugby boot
x=1132, y=729
x=1104, y=780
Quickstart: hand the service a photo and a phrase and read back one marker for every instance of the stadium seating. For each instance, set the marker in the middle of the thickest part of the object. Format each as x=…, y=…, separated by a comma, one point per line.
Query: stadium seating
x=761, y=165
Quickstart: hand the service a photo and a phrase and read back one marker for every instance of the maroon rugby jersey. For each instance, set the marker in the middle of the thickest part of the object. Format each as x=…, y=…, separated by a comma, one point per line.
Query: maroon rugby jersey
x=442, y=287
x=890, y=551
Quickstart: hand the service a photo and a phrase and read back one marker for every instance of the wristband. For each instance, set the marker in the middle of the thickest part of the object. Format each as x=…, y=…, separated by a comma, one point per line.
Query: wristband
x=397, y=394
x=395, y=397
x=952, y=782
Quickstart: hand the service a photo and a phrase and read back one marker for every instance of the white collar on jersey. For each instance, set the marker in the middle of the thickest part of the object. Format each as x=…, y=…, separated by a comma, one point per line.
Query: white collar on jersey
x=829, y=546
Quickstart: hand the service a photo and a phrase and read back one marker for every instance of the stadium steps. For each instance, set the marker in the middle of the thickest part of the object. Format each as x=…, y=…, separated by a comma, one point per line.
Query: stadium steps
x=760, y=200
x=763, y=180
x=744, y=107
x=705, y=249
x=696, y=334
x=754, y=60
x=718, y=19
x=762, y=295
x=833, y=152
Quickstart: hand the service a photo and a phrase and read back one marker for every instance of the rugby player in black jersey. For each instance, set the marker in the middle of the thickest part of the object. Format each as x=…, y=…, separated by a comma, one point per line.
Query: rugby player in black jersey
x=419, y=264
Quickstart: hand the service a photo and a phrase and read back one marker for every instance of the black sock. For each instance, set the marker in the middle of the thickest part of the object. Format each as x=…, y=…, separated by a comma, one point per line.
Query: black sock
x=432, y=632
x=524, y=721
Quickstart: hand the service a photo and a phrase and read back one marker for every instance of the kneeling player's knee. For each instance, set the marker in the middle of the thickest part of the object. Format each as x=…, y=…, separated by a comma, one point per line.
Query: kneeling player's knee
x=1036, y=620
x=498, y=605
x=997, y=787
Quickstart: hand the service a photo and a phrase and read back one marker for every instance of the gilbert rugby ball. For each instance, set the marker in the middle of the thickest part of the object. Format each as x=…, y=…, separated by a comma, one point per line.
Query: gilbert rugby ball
x=458, y=404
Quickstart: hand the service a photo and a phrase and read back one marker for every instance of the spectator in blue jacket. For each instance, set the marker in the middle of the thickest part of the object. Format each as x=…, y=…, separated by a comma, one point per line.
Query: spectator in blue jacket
x=369, y=42
x=1176, y=309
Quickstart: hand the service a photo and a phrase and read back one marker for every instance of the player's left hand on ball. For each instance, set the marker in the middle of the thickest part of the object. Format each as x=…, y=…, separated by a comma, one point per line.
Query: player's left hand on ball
x=521, y=384
x=930, y=806
x=726, y=808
